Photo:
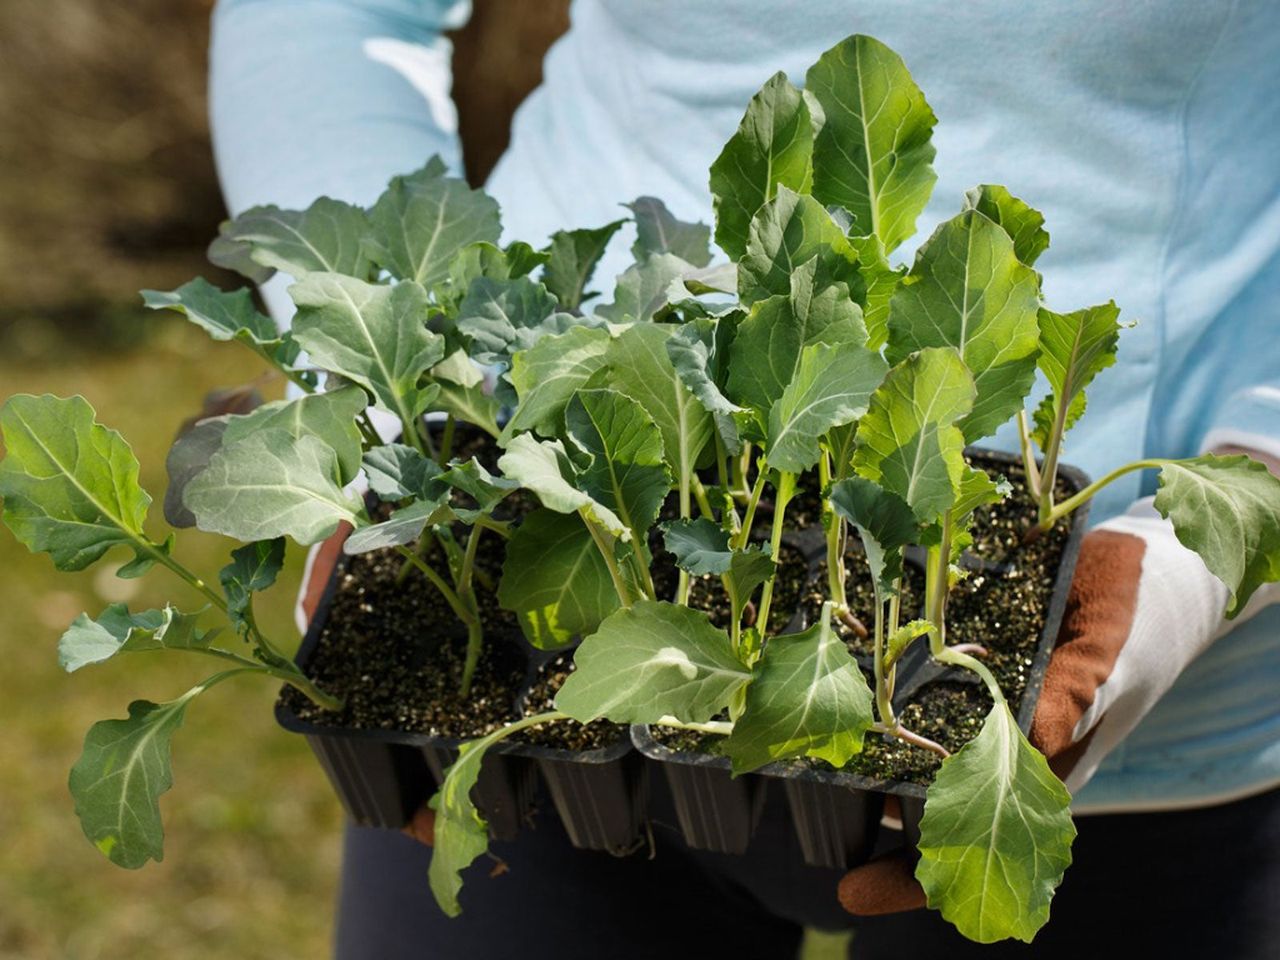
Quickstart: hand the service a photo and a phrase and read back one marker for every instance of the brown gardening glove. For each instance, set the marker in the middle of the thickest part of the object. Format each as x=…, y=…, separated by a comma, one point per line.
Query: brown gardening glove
x=324, y=557
x=1096, y=624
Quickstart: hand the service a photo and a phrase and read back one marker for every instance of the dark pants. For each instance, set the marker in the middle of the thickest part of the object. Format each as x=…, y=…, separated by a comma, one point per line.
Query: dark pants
x=1200, y=883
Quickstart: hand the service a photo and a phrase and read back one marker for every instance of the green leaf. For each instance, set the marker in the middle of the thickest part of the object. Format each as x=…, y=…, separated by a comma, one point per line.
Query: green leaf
x=657, y=231
x=702, y=547
x=640, y=367
x=547, y=374
x=70, y=485
x=626, y=471
x=1074, y=348
x=463, y=394
x=404, y=526
x=253, y=568
x=327, y=237
x=372, y=334
x=555, y=580
x=874, y=154
x=881, y=282
x=773, y=146
x=653, y=660
x=1045, y=416
x=189, y=455
x=976, y=490
x=543, y=467
x=422, y=220
x=896, y=643
x=503, y=316
x=996, y=835
x=832, y=386
x=461, y=834
x=907, y=441
x=1227, y=509
x=699, y=351
x=748, y=568
x=121, y=773
x=789, y=230
x=272, y=484
x=224, y=315
x=807, y=698
x=968, y=290
x=329, y=416
x=643, y=289
x=117, y=630
x=1023, y=223
x=573, y=260
x=885, y=522
x=825, y=309
x=486, y=490
x=396, y=471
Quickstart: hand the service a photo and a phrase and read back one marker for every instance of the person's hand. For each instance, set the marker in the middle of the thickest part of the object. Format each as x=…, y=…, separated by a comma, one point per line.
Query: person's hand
x=1141, y=607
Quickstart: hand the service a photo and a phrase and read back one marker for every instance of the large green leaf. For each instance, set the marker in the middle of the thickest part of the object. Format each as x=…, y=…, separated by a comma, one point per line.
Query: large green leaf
x=422, y=220
x=327, y=237
x=657, y=231
x=968, y=290
x=272, y=484
x=885, y=523
x=224, y=315
x=555, y=580
x=873, y=155
x=701, y=546
x=640, y=367
x=543, y=467
x=574, y=255
x=482, y=487
x=118, y=780
x=786, y=232
x=329, y=416
x=463, y=392
x=547, y=374
x=396, y=471
x=807, y=698
x=996, y=835
x=826, y=309
x=503, y=316
x=773, y=146
x=116, y=630
x=643, y=289
x=649, y=661
x=1074, y=348
x=832, y=386
x=404, y=526
x=372, y=334
x=907, y=441
x=626, y=471
x=699, y=351
x=1023, y=223
x=1227, y=509
x=460, y=834
x=70, y=485
x=253, y=568
x=881, y=282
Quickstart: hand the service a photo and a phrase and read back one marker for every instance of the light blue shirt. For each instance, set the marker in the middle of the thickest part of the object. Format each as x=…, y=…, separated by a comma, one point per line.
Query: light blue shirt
x=1147, y=132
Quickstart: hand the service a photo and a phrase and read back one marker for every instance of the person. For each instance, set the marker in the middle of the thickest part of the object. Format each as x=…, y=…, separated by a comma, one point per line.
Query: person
x=1147, y=133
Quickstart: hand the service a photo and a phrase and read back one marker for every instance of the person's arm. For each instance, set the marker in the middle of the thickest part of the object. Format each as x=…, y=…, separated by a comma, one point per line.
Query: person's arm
x=311, y=98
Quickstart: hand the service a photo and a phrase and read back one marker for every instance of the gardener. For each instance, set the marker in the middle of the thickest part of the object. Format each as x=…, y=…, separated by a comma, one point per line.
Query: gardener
x=1150, y=134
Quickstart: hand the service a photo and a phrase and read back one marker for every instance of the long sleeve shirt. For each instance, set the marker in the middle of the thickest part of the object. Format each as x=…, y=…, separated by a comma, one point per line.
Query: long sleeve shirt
x=1147, y=132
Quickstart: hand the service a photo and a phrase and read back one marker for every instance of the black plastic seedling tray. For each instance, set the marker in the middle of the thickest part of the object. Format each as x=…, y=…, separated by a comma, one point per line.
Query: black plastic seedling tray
x=836, y=814
x=383, y=777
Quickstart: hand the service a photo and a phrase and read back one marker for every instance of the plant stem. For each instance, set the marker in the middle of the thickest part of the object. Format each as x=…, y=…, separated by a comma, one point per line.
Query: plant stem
x=913, y=738
x=1064, y=508
x=744, y=533
x=700, y=494
x=722, y=467
x=682, y=583
x=957, y=658
x=446, y=441
x=162, y=557
x=1049, y=470
x=835, y=525
x=446, y=591
x=884, y=695
x=1028, y=460
x=367, y=429
x=937, y=585
x=605, y=545
x=721, y=727
x=290, y=674
x=785, y=490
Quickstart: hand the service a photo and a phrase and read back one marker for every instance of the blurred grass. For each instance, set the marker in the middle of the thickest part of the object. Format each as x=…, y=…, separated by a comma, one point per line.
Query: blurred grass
x=252, y=828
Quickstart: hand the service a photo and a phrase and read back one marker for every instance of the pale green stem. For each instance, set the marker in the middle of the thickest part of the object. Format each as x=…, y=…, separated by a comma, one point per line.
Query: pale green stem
x=682, y=584
x=1049, y=472
x=466, y=593
x=744, y=532
x=835, y=538
x=786, y=488
x=937, y=582
x=721, y=727
x=700, y=494
x=884, y=695
x=1028, y=459
x=446, y=440
x=1064, y=508
x=605, y=545
x=957, y=658
x=911, y=737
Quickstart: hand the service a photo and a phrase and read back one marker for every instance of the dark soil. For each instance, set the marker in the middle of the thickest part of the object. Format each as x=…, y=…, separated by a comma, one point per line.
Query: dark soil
x=707, y=592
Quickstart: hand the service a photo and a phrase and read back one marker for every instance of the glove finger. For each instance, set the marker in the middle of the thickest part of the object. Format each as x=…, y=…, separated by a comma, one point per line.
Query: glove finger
x=423, y=826
x=1095, y=626
x=885, y=885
